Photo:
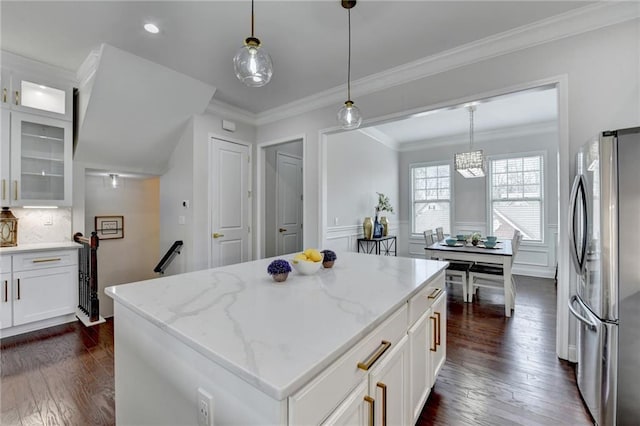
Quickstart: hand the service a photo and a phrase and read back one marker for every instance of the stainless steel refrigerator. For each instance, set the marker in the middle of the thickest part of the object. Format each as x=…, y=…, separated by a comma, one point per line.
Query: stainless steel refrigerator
x=604, y=228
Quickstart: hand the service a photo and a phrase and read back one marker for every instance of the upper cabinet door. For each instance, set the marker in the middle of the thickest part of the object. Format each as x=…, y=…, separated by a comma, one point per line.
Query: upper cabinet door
x=39, y=96
x=41, y=150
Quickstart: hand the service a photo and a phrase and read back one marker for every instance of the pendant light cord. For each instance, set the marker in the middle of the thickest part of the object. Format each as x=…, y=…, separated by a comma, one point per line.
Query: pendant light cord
x=471, y=108
x=349, y=59
x=251, y=18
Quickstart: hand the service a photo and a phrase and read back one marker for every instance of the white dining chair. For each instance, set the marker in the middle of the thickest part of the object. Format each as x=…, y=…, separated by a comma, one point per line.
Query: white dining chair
x=492, y=276
x=428, y=237
x=439, y=233
x=457, y=272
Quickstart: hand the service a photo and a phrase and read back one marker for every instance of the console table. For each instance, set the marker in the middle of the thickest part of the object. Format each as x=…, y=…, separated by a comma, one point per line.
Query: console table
x=383, y=245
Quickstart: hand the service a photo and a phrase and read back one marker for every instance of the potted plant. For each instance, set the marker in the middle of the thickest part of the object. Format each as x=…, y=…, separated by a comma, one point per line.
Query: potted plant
x=279, y=269
x=384, y=205
x=475, y=238
x=329, y=258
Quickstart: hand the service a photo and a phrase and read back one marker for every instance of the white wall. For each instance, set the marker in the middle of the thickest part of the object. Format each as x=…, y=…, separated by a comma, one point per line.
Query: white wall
x=270, y=165
x=133, y=257
x=187, y=178
x=601, y=69
x=470, y=195
x=357, y=168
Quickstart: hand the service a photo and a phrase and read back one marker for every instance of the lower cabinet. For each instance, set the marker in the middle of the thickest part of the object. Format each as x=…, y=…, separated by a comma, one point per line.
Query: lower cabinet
x=438, y=336
x=37, y=286
x=357, y=409
x=389, y=387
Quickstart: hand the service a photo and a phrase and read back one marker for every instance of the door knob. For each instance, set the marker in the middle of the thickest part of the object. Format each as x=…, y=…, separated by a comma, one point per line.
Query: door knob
x=282, y=230
x=216, y=235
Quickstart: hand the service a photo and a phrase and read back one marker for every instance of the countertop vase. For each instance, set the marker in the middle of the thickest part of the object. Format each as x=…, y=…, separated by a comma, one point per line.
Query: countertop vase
x=280, y=277
x=367, y=228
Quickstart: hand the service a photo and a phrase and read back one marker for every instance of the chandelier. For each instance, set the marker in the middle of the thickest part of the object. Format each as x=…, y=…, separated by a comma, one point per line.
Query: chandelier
x=470, y=164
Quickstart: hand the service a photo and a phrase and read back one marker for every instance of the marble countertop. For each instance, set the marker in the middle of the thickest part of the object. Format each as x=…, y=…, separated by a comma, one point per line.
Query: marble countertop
x=277, y=336
x=22, y=248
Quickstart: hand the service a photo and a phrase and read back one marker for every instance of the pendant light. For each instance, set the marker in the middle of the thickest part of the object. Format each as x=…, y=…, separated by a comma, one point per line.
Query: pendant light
x=349, y=116
x=252, y=63
x=470, y=164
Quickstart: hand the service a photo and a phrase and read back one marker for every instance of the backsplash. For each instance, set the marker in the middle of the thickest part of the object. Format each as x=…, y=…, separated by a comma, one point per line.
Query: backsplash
x=43, y=225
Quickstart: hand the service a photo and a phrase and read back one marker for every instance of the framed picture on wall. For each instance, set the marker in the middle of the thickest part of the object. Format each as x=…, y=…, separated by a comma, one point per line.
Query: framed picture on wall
x=110, y=227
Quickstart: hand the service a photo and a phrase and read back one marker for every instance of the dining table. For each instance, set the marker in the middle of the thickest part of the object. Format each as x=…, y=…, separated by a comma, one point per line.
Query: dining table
x=500, y=255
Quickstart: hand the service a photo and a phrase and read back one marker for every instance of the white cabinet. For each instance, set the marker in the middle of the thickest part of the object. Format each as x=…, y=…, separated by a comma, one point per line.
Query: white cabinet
x=358, y=409
x=41, y=153
x=427, y=344
x=36, y=93
x=389, y=386
x=36, y=287
x=5, y=157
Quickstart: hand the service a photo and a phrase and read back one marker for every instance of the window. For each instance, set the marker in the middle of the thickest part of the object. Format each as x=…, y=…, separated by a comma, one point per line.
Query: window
x=516, y=197
x=431, y=197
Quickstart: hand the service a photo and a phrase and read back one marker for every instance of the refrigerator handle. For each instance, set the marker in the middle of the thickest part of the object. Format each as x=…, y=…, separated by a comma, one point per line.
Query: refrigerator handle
x=579, y=316
x=578, y=258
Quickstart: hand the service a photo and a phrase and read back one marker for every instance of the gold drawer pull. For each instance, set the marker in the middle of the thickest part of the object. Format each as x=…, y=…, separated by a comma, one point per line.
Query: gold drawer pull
x=4, y=95
x=435, y=293
x=384, y=345
x=18, y=288
x=51, y=259
x=15, y=184
x=437, y=314
x=384, y=402
x=435, y=327
x=6, y=291
x=372, y=409
x=17, y=97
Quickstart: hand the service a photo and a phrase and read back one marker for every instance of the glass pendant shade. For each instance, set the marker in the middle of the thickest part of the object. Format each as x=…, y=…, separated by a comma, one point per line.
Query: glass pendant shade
x=253, y=64
x=349, y=116
x=470, y=164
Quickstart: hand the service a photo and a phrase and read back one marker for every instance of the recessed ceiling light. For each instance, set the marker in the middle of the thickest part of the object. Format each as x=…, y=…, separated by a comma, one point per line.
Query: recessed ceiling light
x=151, y=28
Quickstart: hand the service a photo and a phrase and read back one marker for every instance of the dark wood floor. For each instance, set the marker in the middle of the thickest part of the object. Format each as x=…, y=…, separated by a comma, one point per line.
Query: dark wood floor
x=499, y=371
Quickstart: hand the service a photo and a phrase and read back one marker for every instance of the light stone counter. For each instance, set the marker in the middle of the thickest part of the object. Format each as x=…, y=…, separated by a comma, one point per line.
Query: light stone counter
x=277, y=336
x=24, y=248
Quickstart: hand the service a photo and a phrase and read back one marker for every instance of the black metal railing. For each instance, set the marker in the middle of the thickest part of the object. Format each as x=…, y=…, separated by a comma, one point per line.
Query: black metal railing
x=168, y=257
x=88, y=275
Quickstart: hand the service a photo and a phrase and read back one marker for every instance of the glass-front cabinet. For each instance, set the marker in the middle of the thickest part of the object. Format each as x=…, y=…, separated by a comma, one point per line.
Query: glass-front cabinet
x=41, y=150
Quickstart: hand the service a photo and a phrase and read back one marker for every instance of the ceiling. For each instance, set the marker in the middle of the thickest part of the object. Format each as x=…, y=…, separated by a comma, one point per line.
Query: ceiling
x=306, y=39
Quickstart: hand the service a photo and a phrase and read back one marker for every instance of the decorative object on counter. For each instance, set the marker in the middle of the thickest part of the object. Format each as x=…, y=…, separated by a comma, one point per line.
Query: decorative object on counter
x=279, y=269
x=252, y=63
x=385, y=225
x=308, y=262
x=377, y=228
x=451, y=241
x=475, y=238
x=470, y=164
x=8, y=228
x=109, y=227
x=329, y=258
x=367, y=227
x=349, y=116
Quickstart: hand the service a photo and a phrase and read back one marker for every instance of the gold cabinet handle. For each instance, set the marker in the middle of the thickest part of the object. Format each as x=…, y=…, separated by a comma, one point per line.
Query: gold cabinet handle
x=435, y=326
x=437, y=314
x=4, y=95
x=282, y=230
x=50, y=259
x=384, y=402
x=216, y=235
x=4, y=189
x=435, y=293
x=366, y=365
x=372, y=409
x=6, y=291
x=18, y=288
x=17, y=97
x=15, y=186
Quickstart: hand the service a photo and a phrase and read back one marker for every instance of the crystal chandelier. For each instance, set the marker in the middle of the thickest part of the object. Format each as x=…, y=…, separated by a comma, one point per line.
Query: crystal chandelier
x=252, y=63
x=349, y=116
x=470, y=164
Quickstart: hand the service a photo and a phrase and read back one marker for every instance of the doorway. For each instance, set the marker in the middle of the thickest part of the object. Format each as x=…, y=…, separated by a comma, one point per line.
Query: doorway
x=283, y=198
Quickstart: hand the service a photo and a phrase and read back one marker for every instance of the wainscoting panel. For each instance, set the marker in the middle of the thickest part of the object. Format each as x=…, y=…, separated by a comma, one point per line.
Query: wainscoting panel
x=345, y=238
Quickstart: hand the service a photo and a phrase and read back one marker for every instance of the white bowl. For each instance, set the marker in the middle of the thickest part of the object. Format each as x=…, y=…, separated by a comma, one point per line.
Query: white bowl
x=306, y=267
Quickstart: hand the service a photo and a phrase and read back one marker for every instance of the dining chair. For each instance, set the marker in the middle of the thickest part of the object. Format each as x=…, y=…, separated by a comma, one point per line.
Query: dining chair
x=428, y=237
x=458, y=273
x=492, y=276
x=439, y=233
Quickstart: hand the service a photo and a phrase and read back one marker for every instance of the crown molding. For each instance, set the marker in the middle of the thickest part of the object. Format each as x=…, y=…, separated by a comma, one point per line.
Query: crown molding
x=575, y=22
x=485, y=136
x=231, y=112
x=381, y=137
x=40, y=69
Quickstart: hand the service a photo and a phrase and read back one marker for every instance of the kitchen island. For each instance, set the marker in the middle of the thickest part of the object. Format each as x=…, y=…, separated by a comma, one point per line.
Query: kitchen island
x=297, y=352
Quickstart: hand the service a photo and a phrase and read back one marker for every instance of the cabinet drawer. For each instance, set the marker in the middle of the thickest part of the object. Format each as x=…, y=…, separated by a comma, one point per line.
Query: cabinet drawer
x=313, y=403
x=5, y=263
x=44, y=259
x=419, y=303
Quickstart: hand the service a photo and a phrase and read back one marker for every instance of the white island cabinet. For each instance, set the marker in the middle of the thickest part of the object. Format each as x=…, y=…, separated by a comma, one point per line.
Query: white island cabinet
x=336, y=347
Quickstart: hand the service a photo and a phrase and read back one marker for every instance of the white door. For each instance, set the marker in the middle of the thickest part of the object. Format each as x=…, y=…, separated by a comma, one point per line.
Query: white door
x=229, y=203
x=289, y=205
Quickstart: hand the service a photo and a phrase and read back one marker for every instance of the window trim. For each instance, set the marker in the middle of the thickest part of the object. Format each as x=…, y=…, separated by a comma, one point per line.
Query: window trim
x=543, y=191
x=411, y=193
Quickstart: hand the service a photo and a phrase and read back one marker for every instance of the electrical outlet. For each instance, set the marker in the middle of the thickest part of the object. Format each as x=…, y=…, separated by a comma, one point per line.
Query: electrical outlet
x=205, y=408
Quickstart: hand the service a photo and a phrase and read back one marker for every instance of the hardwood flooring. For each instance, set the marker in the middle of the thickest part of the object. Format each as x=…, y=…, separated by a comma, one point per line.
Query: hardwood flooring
x=499, y=371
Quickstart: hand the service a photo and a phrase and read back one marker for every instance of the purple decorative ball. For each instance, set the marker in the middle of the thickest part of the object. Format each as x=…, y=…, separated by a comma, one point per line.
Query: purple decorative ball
x=279, y=266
